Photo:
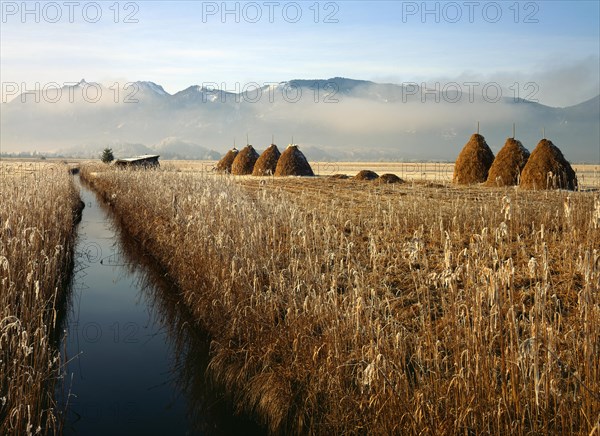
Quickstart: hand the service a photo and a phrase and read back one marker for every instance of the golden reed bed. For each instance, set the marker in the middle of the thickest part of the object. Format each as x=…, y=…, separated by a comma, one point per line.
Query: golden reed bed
x=338, y=306
x=38, y=206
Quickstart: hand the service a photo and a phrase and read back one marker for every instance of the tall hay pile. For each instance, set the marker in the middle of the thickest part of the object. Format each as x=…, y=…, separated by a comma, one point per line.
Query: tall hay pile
x=244, y=161
x=267, y=162
x=366, y=175
x=292, y=162
x=224, y=165
x=547, y=168
x=473, y=162
x=508, y=164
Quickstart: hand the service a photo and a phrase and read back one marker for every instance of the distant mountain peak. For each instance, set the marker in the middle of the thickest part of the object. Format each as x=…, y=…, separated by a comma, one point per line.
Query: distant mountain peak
x=158, y=89
x=84, y=83
x=337, y=117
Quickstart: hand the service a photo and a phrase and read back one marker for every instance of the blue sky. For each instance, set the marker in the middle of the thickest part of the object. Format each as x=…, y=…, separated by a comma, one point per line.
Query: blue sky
x=177, y=44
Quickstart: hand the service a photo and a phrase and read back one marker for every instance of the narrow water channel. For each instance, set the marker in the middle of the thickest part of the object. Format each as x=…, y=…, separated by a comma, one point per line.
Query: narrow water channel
x=136, y=362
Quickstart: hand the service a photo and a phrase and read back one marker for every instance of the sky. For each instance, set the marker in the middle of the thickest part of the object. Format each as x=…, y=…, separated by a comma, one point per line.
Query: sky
x=547, y=51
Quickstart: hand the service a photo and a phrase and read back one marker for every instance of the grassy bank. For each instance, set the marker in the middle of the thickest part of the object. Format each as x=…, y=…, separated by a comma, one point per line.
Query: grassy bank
x=38, y=208
x=345, y=307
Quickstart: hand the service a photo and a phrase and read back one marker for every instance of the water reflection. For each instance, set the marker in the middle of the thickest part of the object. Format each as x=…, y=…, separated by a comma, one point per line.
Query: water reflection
x=137, y=361
x=208, y=410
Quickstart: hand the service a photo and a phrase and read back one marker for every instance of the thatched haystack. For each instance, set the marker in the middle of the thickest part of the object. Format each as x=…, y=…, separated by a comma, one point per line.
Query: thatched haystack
x=244, y=161
x=267, y=162
x=366, y=175
x=389, y=178
x=224, y=165
x=547, y=168
x=292, y=162
x=508, y=164
x=473, y=162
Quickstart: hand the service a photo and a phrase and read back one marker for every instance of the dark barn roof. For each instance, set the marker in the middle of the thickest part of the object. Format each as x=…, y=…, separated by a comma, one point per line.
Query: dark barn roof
x=147, y=160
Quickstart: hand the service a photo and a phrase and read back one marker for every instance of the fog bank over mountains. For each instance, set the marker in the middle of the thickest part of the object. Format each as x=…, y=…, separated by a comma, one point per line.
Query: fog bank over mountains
x=335, y=119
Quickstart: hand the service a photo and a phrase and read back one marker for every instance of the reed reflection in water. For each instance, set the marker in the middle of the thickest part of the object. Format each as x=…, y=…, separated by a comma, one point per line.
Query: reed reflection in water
x=137, y=360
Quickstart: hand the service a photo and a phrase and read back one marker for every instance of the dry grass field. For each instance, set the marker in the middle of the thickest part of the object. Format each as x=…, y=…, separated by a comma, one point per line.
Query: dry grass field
x=347, y=307
x=38, y=204
x=587, y=174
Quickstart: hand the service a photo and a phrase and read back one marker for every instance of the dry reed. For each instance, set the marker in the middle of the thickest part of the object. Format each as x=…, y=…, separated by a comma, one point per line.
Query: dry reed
x=39, y=206
x=337, y=310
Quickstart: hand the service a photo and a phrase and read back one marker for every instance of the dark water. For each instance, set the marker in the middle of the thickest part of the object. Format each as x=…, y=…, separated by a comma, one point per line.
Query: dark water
x=136, y=360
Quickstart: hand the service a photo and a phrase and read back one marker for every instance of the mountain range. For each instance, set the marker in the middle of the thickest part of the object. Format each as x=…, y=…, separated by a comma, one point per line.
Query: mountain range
x=331, y=119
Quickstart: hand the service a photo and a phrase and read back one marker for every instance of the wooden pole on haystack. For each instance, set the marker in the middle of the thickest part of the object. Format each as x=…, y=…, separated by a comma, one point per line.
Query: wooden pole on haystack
x=513, y=136
x=478, y=127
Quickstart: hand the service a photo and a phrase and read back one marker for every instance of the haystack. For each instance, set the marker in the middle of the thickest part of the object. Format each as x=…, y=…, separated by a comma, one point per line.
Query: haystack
x=389, y=178
x=267, y=162
x=293, y=163
x=366, y=175
x=547, y=168
x=244, y=161
x=509, y=163
x=339, y=176
x=224, y=165
x=473, y=162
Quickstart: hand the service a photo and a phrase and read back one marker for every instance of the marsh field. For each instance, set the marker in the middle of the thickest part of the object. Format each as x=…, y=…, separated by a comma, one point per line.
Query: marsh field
x=39, y=208
x=335, y=306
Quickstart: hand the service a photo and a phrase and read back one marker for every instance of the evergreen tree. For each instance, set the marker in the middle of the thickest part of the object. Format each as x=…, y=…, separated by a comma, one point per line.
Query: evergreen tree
x=107, y=155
